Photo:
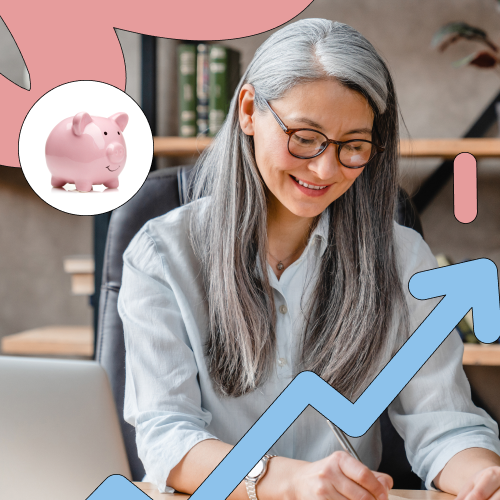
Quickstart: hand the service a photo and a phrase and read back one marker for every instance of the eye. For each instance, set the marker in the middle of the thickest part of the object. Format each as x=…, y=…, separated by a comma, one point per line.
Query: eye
x=357, y=146
x=105, y=133
x=118, y=133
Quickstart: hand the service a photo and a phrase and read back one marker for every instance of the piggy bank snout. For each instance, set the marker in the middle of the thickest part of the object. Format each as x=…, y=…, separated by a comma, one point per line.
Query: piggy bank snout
x=115, y=152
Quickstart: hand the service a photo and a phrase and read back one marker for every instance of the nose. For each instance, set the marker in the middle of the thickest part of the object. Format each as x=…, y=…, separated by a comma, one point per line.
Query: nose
x=115, y=152
x=326, y=165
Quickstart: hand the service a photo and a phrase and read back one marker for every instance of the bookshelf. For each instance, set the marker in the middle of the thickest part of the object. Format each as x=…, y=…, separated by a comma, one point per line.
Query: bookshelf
x=416, y=148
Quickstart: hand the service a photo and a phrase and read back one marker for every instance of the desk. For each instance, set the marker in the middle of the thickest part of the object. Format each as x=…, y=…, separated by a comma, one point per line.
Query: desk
x=152, y=491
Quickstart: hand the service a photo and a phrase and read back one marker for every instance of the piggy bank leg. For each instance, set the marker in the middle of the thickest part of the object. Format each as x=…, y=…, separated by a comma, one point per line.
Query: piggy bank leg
x=57, y=182
x=83, y=186
x=112, y=184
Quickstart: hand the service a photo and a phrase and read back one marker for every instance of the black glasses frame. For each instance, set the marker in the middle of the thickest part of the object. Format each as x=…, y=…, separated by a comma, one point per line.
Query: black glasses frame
x=340, y=144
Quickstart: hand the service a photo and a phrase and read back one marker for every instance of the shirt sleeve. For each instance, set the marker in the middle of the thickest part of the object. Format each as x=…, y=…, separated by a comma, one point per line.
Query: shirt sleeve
x=162, y=393
x=434, y=413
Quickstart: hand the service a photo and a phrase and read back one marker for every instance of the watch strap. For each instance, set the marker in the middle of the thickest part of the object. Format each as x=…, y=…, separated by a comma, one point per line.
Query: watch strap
x=251, y=483
x=252, y=495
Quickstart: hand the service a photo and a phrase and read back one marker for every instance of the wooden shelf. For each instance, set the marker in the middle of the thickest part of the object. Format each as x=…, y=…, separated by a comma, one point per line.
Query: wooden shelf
x=77, y=264
x=449, y=148
x=482, y=354
x=180, y=146
x=417, y=148
x=81, y=268
x=58, y=341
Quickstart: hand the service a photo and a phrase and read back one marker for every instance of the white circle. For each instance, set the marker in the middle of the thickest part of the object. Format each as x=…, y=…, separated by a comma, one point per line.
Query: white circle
x=97, y=99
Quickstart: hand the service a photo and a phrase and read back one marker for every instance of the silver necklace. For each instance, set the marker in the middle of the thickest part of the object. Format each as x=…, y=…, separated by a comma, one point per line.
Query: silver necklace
x=280, y=264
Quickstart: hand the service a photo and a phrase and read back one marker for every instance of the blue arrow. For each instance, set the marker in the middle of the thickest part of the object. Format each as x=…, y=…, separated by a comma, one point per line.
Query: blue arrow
x=117, y=487
x=465, y=285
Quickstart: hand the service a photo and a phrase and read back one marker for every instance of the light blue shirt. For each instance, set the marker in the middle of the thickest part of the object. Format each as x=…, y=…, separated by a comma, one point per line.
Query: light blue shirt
x=169, y=397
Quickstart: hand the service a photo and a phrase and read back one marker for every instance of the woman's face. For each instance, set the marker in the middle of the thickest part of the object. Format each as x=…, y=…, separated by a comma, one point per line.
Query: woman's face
x=324, y=105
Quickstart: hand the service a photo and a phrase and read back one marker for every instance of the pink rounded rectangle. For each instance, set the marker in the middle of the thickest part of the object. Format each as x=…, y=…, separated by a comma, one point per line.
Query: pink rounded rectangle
x=465, y=188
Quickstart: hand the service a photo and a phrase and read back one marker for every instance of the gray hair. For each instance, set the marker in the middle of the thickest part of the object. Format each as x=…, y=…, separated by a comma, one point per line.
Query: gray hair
x=351, y=329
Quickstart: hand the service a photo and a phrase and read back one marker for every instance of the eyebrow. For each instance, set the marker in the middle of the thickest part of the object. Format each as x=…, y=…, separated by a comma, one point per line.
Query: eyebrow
x=314, y=124
x=359, y=131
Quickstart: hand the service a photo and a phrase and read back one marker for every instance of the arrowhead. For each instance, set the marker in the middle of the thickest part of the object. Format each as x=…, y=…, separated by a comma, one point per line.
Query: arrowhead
x=465, y=285
x=117, y=487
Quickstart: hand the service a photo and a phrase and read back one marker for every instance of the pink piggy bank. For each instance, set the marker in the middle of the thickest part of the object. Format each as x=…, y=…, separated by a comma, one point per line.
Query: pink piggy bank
x=86, y=150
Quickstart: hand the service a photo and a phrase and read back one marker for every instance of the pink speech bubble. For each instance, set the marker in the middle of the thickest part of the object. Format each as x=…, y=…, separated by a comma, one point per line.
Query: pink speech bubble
x=465, y=188
x=64, y=41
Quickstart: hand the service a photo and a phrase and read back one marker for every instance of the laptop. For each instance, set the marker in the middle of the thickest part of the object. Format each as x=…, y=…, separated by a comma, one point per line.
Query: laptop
x=60, y=436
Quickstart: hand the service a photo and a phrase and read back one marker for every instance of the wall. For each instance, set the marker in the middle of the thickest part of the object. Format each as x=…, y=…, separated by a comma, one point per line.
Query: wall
x=34, y=238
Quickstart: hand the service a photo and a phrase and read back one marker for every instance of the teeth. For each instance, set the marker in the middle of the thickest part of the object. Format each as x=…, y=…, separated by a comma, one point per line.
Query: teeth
x=308, y=186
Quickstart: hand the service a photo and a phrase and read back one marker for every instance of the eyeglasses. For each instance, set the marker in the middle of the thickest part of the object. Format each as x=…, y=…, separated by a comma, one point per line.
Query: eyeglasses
x=307, y=143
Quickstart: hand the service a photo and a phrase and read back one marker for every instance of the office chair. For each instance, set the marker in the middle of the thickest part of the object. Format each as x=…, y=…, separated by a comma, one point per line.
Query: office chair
x=165, y=190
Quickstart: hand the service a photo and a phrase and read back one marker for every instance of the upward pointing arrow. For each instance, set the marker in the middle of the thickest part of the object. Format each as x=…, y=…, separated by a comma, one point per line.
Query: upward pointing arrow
x=469, y=284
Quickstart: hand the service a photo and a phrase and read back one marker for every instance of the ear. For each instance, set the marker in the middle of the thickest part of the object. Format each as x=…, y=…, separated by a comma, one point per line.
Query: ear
x=121, y=120
x=246, y=109
x=80, y=121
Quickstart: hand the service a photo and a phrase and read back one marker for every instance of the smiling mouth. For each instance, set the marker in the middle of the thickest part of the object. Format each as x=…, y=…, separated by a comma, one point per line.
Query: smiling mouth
x=114, y=169
x=314, y=187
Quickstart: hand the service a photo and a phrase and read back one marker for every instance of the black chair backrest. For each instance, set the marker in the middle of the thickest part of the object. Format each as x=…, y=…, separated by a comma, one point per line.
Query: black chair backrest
x=163, y=191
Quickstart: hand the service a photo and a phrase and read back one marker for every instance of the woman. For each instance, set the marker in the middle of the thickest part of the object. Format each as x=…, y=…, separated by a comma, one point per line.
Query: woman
x=300, y=182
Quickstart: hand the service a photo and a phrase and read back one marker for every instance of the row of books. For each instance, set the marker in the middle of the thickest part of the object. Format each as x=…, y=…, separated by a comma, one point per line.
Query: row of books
x=208, y=76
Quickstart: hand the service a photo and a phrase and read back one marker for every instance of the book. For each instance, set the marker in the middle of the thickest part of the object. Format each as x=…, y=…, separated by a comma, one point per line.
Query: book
x=202, y=88
x=187, y=89
x=224, y=69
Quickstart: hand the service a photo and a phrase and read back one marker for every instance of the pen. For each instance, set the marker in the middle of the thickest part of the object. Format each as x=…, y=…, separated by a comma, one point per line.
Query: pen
x=343, y=440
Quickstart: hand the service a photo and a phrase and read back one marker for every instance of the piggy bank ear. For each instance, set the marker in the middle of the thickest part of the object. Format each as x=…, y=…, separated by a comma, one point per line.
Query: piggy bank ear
x=121, y=120
x=80, y=121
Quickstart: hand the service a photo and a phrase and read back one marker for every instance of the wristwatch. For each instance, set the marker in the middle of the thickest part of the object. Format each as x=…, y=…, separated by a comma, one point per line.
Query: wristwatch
x=255, y=475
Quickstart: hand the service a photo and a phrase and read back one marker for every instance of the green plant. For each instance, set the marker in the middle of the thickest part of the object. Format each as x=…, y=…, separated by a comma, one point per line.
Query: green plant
x=452, y=32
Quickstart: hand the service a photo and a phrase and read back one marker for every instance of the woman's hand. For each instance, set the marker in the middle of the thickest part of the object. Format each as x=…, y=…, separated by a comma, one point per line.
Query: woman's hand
x=339, y=477
x=484, y=485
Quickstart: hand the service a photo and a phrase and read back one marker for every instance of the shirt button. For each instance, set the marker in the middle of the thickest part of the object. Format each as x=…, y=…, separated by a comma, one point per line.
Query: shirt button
x=283, y=309
x=282, y=362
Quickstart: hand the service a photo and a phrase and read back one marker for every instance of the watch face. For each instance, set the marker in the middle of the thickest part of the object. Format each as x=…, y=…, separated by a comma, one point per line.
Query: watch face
x=257, y=469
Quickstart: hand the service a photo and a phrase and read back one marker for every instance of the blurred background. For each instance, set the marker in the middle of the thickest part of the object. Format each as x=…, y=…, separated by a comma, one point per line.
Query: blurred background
x=437, y=100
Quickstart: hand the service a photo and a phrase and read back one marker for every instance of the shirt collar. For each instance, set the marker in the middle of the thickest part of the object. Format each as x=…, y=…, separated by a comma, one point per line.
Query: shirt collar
x=320, y=232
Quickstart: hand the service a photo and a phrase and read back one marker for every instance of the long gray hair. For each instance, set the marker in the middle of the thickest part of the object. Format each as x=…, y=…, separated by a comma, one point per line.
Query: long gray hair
x=357, y=317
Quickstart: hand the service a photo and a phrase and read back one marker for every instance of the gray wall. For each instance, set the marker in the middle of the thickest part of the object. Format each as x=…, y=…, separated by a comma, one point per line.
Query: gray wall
x=34, y=238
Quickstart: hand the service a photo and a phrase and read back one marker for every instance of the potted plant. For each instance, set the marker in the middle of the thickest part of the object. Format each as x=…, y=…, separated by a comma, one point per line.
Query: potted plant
x=487, y=57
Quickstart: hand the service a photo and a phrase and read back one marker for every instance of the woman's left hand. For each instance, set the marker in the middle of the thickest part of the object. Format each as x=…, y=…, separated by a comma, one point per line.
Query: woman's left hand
x=484, y=485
